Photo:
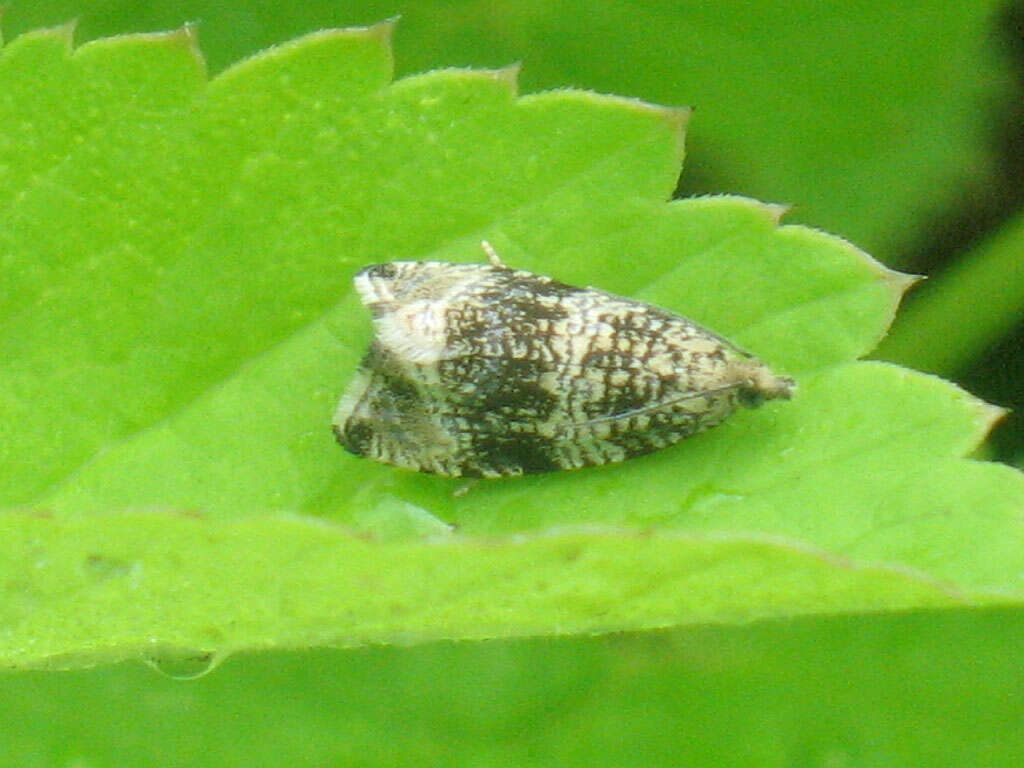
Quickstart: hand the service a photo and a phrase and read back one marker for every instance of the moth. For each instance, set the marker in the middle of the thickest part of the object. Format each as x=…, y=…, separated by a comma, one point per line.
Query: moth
x=480, y=370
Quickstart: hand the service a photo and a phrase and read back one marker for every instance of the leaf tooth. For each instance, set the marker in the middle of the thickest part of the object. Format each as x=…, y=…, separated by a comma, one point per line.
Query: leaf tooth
x=67, y=31
x=777, y=211
x=379, y=33
x=382, y=30
x=508, y=75
x=187, y=36
x=991, y=414
x=64, y=32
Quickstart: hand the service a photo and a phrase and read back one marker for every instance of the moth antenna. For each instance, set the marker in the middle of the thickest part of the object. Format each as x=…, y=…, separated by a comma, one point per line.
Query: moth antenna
x=465, y=488
x=492, y=255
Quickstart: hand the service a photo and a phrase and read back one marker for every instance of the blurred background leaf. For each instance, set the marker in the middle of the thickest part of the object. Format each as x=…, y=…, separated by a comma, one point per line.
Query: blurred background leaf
x=936, y=688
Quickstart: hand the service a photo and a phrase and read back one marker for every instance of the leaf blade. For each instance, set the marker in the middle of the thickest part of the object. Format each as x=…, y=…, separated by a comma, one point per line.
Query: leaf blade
x=185, y=344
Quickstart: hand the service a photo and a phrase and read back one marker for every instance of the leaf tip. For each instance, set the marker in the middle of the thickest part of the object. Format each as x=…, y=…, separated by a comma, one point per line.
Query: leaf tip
x=991, y=414
x=678, y=119
x=67, y=30
x=777, y=211
x=185, y=38
x=384, y=31
x=904, y=280
x=897, y=282
x=187, y=35
x=62, y=33
x=508, y=75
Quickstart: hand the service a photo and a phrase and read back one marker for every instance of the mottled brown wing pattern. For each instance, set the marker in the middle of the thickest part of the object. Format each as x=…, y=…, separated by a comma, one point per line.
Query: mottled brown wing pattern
x=478, y=370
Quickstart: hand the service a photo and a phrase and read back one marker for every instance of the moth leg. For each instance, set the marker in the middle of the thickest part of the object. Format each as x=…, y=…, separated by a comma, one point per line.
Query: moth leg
x=465, y=488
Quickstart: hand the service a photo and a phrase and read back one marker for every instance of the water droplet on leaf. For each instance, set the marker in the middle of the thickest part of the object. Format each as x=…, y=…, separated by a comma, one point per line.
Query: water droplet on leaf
x=183, y=664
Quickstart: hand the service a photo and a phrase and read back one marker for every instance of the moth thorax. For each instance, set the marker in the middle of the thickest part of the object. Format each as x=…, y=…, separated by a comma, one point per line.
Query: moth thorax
x=415, y=332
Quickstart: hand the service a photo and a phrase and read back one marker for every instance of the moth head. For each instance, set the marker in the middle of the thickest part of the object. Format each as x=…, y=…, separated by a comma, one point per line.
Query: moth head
x=375, y=283
x=384, y=286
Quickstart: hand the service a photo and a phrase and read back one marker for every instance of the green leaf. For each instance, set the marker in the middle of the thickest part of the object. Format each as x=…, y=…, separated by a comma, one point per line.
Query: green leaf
x=801, y=102
x=942, y=689
x=179, y=323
